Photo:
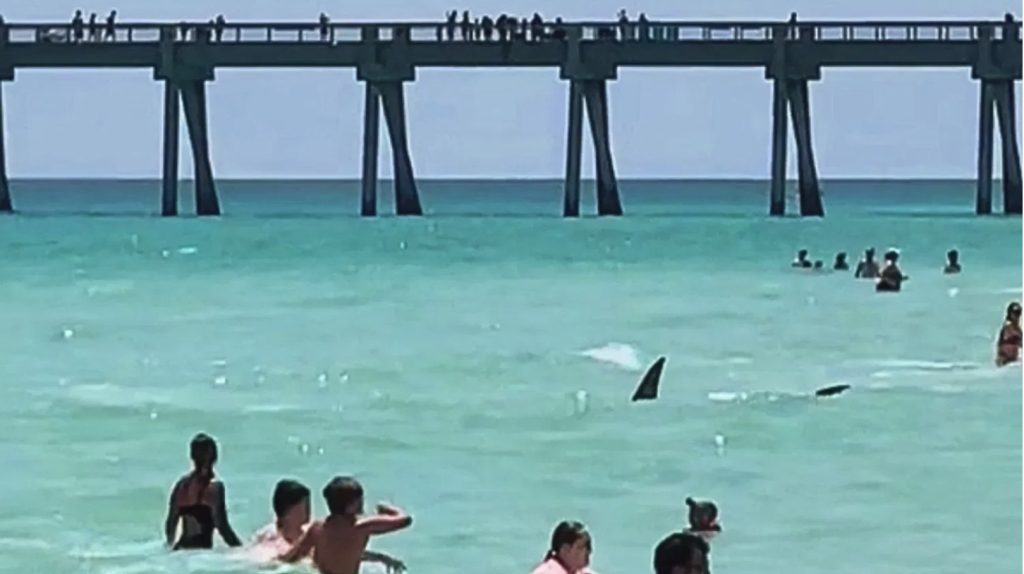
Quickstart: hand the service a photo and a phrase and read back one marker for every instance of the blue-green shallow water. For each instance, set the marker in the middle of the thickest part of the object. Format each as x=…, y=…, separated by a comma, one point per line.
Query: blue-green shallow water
x=439, y=359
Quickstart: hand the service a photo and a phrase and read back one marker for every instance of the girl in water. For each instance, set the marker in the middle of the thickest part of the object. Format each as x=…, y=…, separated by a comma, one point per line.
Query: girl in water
x=703, y=518
x=1008, y=346
x=197, y=501
x=570, y=551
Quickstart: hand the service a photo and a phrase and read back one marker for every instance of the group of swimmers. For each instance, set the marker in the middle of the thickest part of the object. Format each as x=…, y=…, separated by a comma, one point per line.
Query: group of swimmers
x=889, y=278
x=338, y=543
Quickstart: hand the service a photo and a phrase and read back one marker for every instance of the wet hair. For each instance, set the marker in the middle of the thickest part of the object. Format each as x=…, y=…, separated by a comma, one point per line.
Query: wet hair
x=203, y=450
x=869, y=252
x=952, y=254
x=1013, y=308
x=801, y=253
x=706, y=509
x=287, y=494
x=841, y=256
x=567, y=532
x=677, y=551
x=892, y=255
x=341, y=492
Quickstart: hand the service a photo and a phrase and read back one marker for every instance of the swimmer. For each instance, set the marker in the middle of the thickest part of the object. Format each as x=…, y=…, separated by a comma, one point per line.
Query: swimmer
x=1009, y=343
x=868, y=267
x=703, y=518
x=338, y=543
x=841, y=264
x=801, y=260
x=292, y=516
x=891, y=278
x=198, y=502
x=682, y=553
x=952, y=262
x=819, y=265
x=570, y=550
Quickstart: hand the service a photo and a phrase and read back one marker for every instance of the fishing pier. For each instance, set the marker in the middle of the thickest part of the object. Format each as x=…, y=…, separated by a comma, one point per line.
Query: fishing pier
x=587, y=55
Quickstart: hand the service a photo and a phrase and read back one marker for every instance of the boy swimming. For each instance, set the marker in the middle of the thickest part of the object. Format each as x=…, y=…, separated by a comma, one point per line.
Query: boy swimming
x=292, y=515
x=338, y=542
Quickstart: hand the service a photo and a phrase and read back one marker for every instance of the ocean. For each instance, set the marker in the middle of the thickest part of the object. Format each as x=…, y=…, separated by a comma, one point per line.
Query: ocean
x=474, y=366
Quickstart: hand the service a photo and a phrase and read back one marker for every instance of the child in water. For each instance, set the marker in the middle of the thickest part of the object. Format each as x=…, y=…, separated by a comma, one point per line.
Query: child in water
x=703, y=517
x=569, y=552
x=198, y=502
x=338, y=543
x=292, y=516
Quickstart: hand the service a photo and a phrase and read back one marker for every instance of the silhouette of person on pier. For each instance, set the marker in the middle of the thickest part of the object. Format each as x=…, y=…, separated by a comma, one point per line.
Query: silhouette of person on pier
x=78, y=26
x=109, y=33
x=537, y=27
x=325, y=27
x=94, y=33
x=487, y=26
x=450, y=25
x=466, y=26
x=558, y=30
x=218, y=27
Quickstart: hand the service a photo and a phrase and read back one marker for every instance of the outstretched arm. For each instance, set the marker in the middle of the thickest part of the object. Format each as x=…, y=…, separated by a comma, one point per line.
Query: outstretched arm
x=302, y=546
x=393, y=564
x=389, y=519
x=223, y=525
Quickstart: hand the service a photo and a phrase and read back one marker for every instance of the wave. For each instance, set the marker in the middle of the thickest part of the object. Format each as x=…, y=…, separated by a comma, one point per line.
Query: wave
x=928, y=366
x=618, y=354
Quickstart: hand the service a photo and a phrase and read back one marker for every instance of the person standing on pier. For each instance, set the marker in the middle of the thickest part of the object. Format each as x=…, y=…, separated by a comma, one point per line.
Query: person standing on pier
x=487, y=25
x=94, y=33
x=1010, y=337
x=325, y=26
x=502, y=25
x=466, y=27
x=78, y=27
x=450, y=25
x=109, y=32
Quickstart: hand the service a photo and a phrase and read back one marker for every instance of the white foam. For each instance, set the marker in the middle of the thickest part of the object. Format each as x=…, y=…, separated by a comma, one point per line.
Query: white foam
x=726, y=396
x=917, y=365
x=617, y=354
x=188, y=250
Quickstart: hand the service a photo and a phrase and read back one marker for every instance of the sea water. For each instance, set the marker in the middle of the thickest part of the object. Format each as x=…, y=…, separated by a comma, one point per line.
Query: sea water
x=475, y=366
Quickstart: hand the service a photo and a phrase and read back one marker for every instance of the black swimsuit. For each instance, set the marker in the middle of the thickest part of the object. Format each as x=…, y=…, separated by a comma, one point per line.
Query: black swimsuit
x=200, y=517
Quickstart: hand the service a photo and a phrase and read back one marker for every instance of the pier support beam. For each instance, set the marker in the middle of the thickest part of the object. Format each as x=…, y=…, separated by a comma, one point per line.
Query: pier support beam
x=6, y=206
x=983, y=200
x=810, y=192
x=371, y=147
x=169, y=202
x=780, y=141
x=574, y=152
x=193, y=94
x=1005, y=104
x=391, y=94
x=594, y=95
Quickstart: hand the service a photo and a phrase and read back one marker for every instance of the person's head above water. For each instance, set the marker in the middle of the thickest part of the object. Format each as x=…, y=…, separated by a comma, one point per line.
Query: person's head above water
x=819, y=264
x=203, y=452
x=570, y=546
x=801, y=255
x=841, y=257
x=869, y=254
x=291, y=502
x=892, y=256
x=703, y=515
x=681, y=553
x=1013, y=312
x=344, y=496
x=953, y=256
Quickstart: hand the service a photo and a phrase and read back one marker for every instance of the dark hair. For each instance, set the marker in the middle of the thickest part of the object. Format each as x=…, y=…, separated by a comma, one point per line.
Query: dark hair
x=203, y=450
x=567, y=532
x=952, y=253
x=287, y=494
x=841, y=255
x=706, y=508
x=1012, y=307
x=677, y=550
x=341, y=492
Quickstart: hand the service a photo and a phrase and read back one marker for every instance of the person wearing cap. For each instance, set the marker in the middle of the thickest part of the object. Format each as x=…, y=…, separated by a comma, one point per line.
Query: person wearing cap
x=891, y=278
x=1009, y=343
x=868, y=267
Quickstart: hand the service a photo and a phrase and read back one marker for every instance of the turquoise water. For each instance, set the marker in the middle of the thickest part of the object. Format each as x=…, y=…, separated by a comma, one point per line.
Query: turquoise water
x=476, y=369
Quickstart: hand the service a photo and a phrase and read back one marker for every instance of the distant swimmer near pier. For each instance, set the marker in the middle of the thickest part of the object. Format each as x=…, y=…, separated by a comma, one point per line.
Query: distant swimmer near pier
x=647, y=390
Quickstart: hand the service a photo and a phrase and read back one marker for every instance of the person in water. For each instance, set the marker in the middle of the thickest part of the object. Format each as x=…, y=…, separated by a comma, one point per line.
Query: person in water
x=703, y=518
x=338, y=543
x=291, y=519
x=868, y=267
x=682, y=553
x=819, y=265
x=570, y=550
x=1009, y=343
x=198, y=502
x=801, y=260
x=891, y=278
x=841, y=264
x=952, y=262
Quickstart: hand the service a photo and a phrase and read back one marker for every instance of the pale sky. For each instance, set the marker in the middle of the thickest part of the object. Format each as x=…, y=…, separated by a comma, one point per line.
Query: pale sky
x=497, y=123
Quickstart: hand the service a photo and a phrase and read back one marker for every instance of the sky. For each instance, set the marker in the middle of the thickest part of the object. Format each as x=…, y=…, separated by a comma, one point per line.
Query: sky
x=498, y=123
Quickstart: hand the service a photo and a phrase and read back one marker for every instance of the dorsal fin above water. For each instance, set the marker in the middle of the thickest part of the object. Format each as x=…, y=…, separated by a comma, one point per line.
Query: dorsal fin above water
x=647, y=390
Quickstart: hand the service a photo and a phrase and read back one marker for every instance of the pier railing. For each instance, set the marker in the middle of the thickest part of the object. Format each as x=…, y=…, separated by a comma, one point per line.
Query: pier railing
x=652, y=31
